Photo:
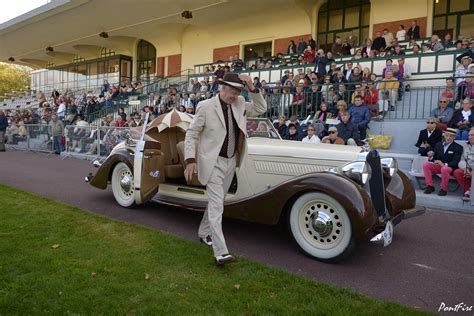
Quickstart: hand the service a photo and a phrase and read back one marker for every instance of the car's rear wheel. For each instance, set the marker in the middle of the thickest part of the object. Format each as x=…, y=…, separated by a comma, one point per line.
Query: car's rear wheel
x=122, y=185
x=321, y=227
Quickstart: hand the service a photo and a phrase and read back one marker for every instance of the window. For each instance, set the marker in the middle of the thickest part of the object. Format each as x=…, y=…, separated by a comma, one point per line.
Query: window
x=453, y=17
x=146, y=60
x=252, y=51
x=339, y=17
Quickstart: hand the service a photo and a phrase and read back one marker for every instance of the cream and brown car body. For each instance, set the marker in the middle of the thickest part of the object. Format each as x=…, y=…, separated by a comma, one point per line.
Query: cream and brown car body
x=275, y=176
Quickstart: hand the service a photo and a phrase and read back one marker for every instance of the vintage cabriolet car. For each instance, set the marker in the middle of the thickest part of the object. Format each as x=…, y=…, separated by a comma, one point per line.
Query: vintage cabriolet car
x=331, y=196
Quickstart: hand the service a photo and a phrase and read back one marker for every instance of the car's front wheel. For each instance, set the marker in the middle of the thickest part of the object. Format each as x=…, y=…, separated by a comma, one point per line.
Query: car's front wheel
x=122, y=185
x=321, y=227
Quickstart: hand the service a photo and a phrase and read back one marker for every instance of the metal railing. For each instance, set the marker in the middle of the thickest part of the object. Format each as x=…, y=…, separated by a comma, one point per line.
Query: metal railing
x=421, y=65
x=90, y=142
x=383, y=104
x=31, y=137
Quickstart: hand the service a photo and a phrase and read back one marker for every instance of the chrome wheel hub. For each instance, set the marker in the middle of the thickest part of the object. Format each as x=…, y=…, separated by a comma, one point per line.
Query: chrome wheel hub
x=321, y=224
x=126, y=182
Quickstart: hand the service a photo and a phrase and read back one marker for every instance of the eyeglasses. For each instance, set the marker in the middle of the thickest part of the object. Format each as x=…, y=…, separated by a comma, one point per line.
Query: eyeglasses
x=430, y=122
x=443, y=101
x=332, y=132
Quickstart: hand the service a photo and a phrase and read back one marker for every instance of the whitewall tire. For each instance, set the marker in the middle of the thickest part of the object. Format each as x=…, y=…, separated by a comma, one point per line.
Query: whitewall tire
x=122, y=185
x=321, y=227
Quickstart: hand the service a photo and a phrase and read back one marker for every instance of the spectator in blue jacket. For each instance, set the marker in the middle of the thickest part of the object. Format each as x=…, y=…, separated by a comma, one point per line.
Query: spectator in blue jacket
x=302, y=46
x=347, y=130
x=360, y=116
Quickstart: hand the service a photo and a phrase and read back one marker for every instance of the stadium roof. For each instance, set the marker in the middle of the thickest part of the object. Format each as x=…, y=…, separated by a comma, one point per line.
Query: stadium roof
x=72, y=27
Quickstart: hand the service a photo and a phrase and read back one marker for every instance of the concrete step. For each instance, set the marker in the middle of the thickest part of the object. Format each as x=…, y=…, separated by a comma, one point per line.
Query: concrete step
x=451, y=202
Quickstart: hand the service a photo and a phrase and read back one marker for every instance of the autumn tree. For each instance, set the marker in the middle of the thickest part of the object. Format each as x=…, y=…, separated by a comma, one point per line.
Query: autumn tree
x=13, y=78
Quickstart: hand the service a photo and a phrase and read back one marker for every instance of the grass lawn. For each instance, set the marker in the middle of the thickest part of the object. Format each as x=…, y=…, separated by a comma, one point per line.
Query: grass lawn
x=58, y=259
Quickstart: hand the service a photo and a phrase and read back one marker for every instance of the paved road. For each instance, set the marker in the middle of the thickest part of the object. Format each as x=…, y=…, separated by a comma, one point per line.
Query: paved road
x=430, y=261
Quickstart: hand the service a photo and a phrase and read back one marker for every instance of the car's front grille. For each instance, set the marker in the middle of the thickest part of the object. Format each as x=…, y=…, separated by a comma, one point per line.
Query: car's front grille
x=376, y=185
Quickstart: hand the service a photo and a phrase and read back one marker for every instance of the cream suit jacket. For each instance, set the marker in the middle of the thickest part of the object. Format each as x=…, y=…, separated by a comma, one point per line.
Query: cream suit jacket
x=208, y=131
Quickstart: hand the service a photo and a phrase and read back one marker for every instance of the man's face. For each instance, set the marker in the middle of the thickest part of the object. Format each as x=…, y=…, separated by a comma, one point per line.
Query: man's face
x=314, y=88
x=292, y=130
x=443, y=103
x=345, y=117
x=389, y=74
x=448, y=138
x=310, y=131
x=471, y=136
x=378, y=34
x=401, y=61
x=281, y=120
x=430, y=125
x=228, y=94
x=358, y=101
x=466, y=105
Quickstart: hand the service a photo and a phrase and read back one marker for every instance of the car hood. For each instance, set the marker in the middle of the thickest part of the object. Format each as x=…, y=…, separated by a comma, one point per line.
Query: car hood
x=288, y=148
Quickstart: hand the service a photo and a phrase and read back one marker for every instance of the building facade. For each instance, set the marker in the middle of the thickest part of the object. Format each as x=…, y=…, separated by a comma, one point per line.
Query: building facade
x=83, y=42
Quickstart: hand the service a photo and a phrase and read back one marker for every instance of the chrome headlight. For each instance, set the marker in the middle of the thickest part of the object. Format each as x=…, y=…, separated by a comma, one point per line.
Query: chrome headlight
x=389, y=165
x=358, y=171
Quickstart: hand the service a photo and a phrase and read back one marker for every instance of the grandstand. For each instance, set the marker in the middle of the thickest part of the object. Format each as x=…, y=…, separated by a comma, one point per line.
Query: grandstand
x=148, y=53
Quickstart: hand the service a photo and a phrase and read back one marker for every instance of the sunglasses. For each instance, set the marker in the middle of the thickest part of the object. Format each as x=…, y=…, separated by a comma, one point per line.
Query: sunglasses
x=332, y=132
x=443, y=101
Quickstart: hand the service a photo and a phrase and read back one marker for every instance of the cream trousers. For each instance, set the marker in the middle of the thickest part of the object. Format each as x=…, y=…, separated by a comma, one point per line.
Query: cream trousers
x=217, y=187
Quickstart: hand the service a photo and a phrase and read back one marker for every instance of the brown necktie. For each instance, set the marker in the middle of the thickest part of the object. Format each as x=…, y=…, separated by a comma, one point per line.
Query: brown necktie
x=231, y=133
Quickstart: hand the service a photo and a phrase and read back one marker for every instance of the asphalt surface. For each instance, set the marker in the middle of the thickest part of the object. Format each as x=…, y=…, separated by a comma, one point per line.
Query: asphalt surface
x=430, y=261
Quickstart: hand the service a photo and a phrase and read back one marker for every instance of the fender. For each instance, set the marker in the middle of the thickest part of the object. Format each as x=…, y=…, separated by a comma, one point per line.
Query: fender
x=102, y=176
x=268, y=206
x=400, y=193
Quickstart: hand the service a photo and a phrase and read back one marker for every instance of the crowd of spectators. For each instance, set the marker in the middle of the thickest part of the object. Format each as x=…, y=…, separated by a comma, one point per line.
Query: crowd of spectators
x=329, y=103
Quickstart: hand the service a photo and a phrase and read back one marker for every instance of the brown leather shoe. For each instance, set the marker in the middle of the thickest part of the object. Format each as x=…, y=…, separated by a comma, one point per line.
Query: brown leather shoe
x=429, y=189
x=442, y=192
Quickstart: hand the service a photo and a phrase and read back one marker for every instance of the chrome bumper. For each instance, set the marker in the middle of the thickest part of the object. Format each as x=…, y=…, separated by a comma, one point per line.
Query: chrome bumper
x=385, y=237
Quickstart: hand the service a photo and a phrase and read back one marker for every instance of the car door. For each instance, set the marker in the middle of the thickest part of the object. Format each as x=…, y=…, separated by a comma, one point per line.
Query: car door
x=148, y=167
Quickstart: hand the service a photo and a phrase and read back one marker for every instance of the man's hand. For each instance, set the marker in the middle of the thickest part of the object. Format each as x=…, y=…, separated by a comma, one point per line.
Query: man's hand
x=430, y=154
x=424, y=145
x=190, y=171
x=248, y=81
x=439, y=162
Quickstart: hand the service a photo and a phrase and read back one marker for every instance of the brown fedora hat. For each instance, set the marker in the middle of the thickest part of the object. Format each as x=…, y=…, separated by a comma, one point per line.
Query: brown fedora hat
x=232, y=80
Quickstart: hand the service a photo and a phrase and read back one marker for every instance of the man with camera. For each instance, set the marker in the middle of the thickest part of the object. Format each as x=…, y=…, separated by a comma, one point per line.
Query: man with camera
x=214, y=146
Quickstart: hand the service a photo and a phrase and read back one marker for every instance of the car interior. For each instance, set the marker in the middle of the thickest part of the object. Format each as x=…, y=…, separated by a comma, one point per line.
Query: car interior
x=173, y=164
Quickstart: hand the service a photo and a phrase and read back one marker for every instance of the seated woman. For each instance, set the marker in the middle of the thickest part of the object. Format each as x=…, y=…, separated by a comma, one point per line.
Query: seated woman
x=322, y=114
x=463, y=120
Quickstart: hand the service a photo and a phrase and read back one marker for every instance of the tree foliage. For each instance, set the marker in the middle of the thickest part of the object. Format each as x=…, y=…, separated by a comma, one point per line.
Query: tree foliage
x=13, y=78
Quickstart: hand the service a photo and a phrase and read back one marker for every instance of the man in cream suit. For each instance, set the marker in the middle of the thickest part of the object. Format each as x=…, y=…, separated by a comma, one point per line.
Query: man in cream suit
x=218, y=131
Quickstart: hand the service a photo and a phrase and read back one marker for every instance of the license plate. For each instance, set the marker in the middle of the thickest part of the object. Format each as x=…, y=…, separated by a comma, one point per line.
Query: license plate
x=387, y=234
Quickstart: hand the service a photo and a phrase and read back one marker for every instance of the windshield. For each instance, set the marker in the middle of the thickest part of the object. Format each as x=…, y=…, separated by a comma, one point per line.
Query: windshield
x=261, y=127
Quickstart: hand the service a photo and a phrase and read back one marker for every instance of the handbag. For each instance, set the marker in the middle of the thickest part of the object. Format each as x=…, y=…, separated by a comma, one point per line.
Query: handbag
x=380, y=141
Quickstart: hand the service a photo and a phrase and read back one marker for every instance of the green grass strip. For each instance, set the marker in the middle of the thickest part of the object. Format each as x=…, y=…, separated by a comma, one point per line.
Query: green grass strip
x=56, y=259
